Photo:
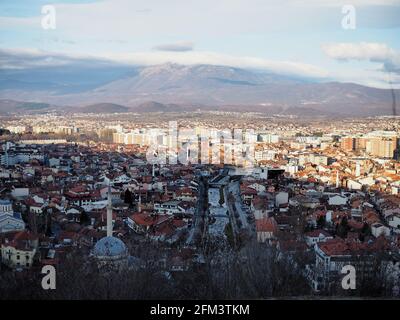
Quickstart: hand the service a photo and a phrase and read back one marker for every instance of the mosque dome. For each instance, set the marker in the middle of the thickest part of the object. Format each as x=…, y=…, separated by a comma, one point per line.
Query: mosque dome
x=111, y=248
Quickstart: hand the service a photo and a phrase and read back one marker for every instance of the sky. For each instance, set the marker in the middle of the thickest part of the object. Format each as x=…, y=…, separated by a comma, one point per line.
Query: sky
x=295, y=37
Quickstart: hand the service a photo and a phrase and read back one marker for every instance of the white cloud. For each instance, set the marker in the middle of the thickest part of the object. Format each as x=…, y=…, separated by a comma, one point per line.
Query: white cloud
x=178, y=46
x=126, y=18
x=358, y=51
x=33, y=58
x=374, y=52
x=25, y=58
x=129, y=18
x=91, y=26
x=368, y=77
x=14, y=22
x=337, y=3
x=213, y=58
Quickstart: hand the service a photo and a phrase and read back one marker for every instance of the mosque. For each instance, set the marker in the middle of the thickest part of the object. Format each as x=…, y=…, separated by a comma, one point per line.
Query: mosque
x=110, y=252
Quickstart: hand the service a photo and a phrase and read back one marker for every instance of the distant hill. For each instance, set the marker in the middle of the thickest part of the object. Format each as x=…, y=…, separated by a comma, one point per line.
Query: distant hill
x=102, y=108
x=153, y=106
x=17, y=107
x=172, y=87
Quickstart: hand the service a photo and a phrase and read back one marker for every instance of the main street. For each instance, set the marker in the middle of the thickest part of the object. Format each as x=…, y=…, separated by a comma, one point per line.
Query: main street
x=199, y=219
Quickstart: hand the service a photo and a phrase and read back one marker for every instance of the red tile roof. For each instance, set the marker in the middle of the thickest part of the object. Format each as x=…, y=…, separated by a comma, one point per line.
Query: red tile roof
x=147, y=219
x=266, y=225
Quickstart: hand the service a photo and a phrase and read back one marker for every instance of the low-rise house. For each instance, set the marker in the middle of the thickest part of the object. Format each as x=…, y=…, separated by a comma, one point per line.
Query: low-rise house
x=171, y=207
x=142, y=222
x=257, y=186
x=82, y=196
x=331, y=256
x=378, y=229
x=337, y=200
x=394, y=221
x=247, y=194
x=261, y=207
x=266, y=229
x=281, y=198
x=18, y=249
x=317, y=236
x=34, y=206
x=304, y=201
x=185, y=194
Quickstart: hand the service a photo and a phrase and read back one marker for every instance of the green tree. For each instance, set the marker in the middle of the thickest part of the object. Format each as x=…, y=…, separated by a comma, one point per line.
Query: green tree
x=343, y=228
x=321, y=222
x=84, y=218
x=128, y=198
x=365, y=231
x=221, y=196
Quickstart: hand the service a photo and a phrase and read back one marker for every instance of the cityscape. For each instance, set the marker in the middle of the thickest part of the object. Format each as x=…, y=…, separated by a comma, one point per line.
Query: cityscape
x=319, y=196
x=177, y=173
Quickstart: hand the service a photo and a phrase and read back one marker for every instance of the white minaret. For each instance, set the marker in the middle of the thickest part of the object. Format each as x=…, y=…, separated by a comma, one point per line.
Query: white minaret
x=140, y=203
x=154, y=171
x=109, y=213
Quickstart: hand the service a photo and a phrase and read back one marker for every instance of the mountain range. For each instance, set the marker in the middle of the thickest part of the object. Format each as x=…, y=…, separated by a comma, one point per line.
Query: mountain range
x=173, y=87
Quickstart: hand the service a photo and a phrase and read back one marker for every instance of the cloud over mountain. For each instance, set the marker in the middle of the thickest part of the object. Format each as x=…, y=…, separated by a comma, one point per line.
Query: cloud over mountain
x=33, y=58
x=24, y=59
x=373, y=52
x=178, y=46
x=188, y=85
